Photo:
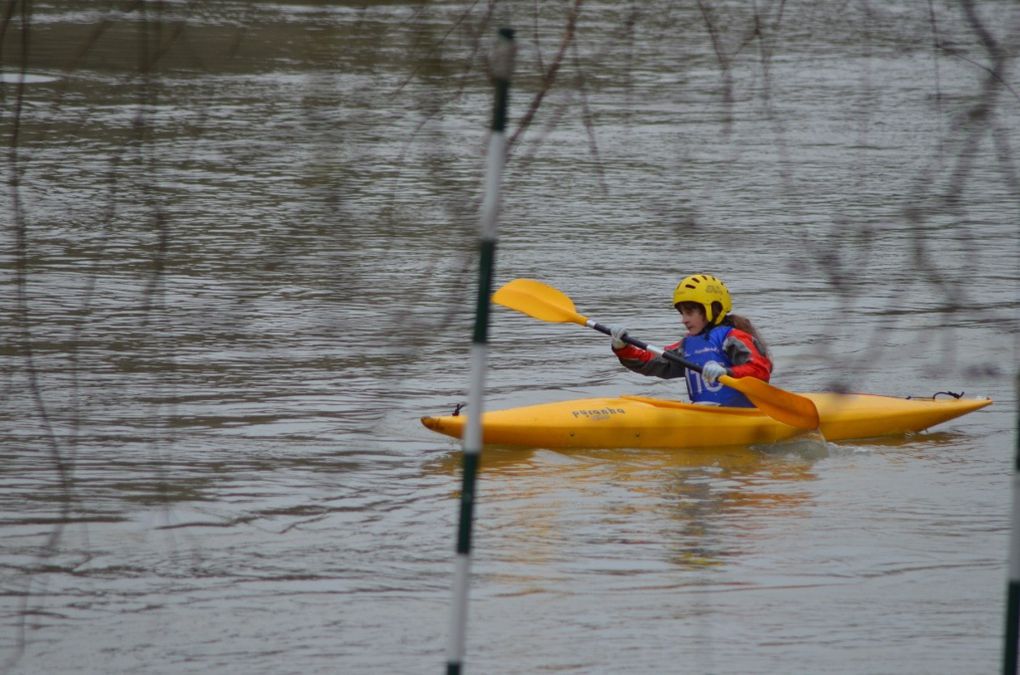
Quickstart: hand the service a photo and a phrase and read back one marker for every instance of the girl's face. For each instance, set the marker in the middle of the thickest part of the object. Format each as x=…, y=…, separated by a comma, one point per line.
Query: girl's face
x=693, y=316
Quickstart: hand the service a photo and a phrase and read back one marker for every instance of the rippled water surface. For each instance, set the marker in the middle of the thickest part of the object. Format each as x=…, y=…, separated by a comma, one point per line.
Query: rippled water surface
x=237, y=265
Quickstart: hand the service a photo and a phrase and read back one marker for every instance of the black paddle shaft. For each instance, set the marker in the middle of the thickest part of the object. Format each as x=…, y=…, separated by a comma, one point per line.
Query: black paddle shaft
x=672, y=356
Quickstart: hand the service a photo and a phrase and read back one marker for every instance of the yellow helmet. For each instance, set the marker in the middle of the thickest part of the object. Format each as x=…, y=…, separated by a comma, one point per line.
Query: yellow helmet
x=704, y=289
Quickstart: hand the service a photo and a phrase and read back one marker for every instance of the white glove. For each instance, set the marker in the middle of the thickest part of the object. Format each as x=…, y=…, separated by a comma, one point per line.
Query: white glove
x=711, y=371
x=618, y=332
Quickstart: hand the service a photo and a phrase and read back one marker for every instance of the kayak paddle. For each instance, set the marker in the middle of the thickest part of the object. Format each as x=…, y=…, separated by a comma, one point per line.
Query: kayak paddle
x=546, y=303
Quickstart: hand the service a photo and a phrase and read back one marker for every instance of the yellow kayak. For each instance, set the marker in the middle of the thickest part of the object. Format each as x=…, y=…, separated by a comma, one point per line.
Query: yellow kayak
x=641, y=422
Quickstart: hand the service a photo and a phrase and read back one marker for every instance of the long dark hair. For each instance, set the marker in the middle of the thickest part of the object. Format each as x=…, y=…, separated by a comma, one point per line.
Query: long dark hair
x=743, y=323
x=735, y=320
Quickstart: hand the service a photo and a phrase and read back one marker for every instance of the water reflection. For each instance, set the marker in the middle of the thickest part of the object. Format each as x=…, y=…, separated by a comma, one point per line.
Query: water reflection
x=713, y=499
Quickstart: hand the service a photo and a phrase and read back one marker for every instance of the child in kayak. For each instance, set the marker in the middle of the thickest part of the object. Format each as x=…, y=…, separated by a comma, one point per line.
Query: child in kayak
x=720, y=342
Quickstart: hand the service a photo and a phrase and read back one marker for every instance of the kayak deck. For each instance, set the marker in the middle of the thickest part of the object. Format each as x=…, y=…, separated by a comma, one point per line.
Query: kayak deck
x=642, y=422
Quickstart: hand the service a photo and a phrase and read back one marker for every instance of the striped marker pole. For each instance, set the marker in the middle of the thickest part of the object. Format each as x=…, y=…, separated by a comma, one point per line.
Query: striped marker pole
x=1009, y=660
x=501, y=67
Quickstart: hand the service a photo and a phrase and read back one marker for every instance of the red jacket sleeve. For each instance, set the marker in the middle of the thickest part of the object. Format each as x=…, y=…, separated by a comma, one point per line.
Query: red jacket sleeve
x=746, y=357
x=646, y=363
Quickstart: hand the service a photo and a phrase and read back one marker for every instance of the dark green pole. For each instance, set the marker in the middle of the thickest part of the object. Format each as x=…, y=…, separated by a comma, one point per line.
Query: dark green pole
x=501, y=68
x=1009, y=660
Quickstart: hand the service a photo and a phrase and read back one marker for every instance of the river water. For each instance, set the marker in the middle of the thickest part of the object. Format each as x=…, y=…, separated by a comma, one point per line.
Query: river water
x=237, y=265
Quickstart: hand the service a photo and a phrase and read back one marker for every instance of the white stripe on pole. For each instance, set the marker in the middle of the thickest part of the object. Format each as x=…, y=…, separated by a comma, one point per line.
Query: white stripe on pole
x=476, y=399
x=455, y=646
x=493, y=185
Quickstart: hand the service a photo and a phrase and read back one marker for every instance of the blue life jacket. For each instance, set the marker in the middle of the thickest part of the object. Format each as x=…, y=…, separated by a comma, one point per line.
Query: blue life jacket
x=700, y=349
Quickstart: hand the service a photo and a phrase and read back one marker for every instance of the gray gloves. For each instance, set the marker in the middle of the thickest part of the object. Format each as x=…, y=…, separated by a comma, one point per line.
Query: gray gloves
x=617, y=332
x=711, y=371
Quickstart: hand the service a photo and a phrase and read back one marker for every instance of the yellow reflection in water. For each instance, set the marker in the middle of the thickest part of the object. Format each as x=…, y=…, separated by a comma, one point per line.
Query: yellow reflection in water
x=702, y=505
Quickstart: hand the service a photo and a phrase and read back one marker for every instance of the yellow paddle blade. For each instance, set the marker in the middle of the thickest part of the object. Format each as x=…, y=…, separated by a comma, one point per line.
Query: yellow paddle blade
x=779, y=404
x=538, y=300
